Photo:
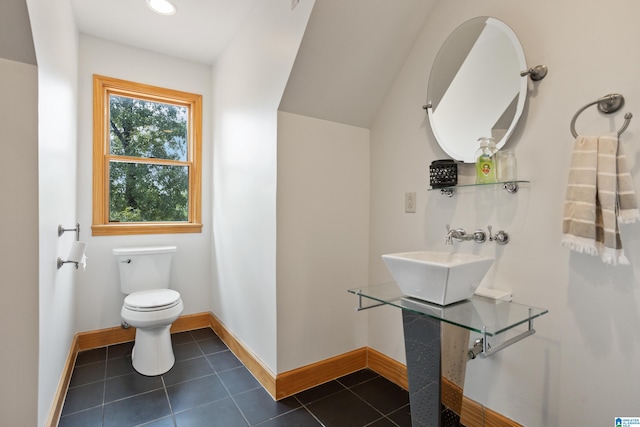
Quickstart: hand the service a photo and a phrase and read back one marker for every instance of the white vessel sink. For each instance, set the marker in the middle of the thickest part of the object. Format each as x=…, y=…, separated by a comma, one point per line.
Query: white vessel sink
x=438, y=277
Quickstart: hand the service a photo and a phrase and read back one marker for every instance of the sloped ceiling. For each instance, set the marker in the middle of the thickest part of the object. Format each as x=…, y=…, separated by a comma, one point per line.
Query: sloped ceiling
x=349, y=57
x=16, y=41
x=199, y=31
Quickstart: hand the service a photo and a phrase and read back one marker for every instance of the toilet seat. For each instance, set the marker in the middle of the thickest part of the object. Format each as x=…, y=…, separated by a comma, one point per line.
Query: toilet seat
x=153, y=300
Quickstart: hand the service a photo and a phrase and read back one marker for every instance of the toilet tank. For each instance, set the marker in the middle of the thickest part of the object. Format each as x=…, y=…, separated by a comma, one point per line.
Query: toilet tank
x=144, y=268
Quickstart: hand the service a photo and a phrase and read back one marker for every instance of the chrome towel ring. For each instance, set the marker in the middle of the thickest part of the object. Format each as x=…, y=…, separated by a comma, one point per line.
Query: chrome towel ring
x=607, y=104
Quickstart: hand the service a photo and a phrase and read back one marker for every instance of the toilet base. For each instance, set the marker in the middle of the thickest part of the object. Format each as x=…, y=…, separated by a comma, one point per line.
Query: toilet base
x=152, y=352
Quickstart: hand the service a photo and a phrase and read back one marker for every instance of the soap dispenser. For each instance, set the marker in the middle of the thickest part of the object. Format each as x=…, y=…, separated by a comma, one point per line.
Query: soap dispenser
x=486, y=161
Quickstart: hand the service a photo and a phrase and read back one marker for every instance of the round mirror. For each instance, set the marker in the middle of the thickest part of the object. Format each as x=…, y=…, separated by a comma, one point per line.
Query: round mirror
x=475, y=88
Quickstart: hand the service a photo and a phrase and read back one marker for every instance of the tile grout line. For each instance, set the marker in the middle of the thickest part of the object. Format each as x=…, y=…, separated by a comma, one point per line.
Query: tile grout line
x=104, y=386
x=309, y=410
x=370, y=405
x=244, y=417
x=383, y=416
x=166, y=394
x=226, y=389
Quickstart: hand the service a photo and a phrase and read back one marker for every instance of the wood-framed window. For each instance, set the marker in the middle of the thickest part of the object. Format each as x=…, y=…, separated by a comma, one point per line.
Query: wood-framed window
x=147, y=159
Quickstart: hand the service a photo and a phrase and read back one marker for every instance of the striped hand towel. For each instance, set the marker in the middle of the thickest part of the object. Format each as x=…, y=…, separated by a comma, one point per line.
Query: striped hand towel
x=600, y=196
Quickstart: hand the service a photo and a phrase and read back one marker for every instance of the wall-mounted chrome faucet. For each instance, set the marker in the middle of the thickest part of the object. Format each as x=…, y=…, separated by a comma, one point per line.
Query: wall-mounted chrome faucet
x=478, y=236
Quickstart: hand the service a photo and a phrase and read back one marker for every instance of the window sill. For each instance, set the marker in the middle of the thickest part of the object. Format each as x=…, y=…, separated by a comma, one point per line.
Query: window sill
x=123, y=229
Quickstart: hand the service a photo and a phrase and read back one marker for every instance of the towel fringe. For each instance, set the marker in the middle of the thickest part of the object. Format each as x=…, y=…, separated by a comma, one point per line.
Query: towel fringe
x=589, y=247
x=578, y=244
x=614, y=257
x=629, y=216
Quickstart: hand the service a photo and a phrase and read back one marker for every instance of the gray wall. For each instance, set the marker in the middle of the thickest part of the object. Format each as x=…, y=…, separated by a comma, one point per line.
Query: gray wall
x=19, y=215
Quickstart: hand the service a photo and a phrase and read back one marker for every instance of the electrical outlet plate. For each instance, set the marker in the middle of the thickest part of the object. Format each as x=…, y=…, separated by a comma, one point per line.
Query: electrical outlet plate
x=410, y=202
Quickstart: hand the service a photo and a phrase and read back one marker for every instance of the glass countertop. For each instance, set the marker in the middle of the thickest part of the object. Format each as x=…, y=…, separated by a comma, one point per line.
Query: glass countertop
x=479, y=314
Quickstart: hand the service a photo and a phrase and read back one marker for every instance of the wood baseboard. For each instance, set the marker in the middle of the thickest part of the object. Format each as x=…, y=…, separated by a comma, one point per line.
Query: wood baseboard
x=472, y=414
x=117, y=334
x=246, y=356
x=104, y=337
x=493, y=419
x=306, y=377
x=63, y=385
x=288, y=383
x=389, y=368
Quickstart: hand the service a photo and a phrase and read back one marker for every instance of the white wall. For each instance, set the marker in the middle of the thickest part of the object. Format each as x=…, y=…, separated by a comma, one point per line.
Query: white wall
x=98, y=292
x=249, y=81
x=55, y=41
x=581, y=367
x=322, y=239
x=19, y=251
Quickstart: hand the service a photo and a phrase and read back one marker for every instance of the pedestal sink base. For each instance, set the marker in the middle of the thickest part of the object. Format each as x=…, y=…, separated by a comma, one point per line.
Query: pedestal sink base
x=422, y=346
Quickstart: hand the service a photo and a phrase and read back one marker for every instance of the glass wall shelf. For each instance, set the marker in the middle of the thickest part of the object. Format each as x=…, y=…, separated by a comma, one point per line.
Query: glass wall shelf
x=478, y=314
x=508, y=186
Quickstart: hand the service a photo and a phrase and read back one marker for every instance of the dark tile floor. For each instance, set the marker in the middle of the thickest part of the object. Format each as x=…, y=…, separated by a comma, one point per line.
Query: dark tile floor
x=208, y=386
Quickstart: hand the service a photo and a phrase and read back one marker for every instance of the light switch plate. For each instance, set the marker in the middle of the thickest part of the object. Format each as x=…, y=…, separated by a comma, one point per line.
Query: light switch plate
x=410, y=202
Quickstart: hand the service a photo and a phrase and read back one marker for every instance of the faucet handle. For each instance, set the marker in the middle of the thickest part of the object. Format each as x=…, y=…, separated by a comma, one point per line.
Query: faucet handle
x=448, y=240
x=501, y=237
x=479, y=236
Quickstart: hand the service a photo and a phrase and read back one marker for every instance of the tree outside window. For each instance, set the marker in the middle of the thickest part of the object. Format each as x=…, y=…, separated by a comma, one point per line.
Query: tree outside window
x=147, y=151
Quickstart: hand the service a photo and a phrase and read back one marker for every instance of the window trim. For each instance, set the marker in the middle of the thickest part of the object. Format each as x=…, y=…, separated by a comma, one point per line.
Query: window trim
x=102, y=88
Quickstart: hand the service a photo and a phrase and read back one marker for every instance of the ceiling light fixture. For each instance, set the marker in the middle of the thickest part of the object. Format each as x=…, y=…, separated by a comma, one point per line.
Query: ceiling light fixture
x=161, y=7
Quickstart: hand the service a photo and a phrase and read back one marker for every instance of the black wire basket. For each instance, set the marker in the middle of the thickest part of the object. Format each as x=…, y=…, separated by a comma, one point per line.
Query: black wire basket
x=443, y=173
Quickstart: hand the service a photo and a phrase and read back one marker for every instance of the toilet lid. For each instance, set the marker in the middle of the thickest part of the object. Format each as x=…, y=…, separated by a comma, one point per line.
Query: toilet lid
x=153, y=300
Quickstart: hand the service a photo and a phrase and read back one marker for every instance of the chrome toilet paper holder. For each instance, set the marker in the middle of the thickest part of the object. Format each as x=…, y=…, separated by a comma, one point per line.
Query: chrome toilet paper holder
x=61, y=231
x=77, y=246
x=62, y=262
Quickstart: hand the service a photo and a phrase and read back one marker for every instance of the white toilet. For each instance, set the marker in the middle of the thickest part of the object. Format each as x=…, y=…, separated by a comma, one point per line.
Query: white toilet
x=150, y=306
